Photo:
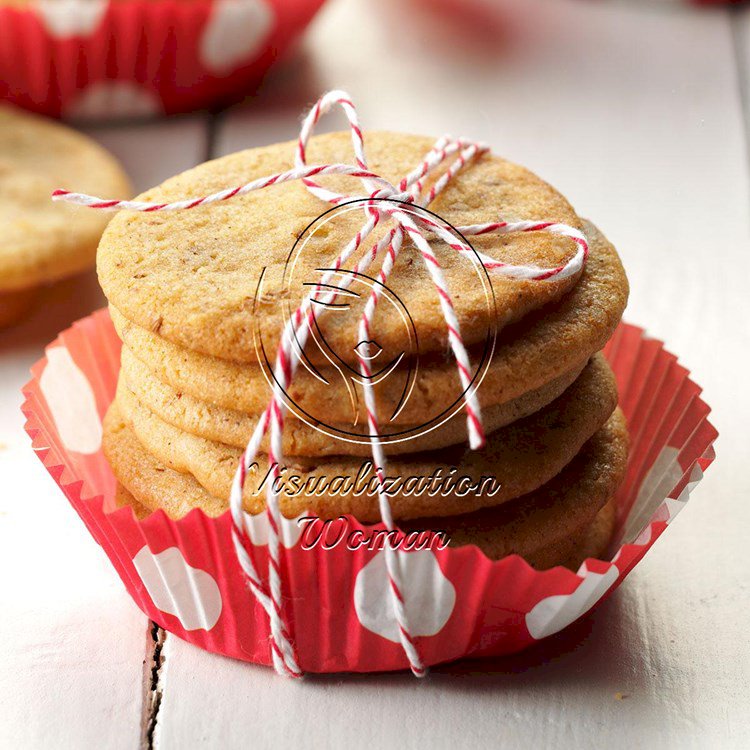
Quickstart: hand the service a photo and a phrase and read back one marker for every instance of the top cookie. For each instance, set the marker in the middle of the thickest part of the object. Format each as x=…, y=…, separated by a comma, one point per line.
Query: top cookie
x=43, y=241
x=218, y=279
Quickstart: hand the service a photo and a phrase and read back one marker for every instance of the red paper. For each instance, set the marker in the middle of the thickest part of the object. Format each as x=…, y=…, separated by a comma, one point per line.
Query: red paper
x=184, y=575
x=141, y=57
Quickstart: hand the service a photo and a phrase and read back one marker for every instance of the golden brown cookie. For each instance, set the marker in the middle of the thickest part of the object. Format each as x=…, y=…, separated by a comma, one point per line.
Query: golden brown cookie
x=554, y=520
x=520, y=457
x=233, y=427
x=564, y=522
x=123, y=499
x=44, y=241
x=527, y=356
x=592, y=540
x=596, y=540
x=210, y=277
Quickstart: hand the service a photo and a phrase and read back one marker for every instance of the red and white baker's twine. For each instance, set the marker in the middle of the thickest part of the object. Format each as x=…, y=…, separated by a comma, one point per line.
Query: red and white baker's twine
x=383, y=201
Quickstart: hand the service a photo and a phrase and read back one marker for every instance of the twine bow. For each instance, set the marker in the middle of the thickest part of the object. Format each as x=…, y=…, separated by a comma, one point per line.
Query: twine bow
x=402, y=205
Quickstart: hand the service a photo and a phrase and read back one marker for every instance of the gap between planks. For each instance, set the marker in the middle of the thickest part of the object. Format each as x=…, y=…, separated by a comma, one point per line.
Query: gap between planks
x=153, y=661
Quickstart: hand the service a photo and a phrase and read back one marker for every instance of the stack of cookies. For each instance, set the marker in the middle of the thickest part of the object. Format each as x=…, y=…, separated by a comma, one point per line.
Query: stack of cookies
x=200, y=298
x=43, y=242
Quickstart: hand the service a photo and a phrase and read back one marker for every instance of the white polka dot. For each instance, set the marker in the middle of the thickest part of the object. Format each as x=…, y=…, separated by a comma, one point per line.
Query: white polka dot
x=553, y=614
x=235, y=33
x=696, y=476
x=66, y=18
x=659, y=481
x=669, y=509
x=430, y=597
x=671, y=506
x=110, y=99
x=188, y=593
x=662, y=477
x=71, y=401
x=291, y=529
x=642, y=540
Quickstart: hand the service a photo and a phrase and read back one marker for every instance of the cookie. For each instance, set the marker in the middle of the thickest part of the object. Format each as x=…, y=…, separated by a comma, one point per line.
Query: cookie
x=223, y=279
x=563, y=522
x=123, y=499
x=527, y=356
x=596, y=539
x=233, y=427
x=519, y=457
x=556, y=518
x=45, y=241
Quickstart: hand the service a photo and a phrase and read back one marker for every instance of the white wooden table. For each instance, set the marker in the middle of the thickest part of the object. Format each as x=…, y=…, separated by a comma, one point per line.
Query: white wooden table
x=639, y=114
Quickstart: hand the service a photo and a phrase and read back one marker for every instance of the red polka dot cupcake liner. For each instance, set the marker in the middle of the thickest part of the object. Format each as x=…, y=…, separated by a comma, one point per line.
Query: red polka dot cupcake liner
x=97, y=59
x=184, y=573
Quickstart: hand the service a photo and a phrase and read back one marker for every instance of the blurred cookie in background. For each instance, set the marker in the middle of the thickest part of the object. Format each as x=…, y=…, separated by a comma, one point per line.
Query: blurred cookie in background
x=43, y=242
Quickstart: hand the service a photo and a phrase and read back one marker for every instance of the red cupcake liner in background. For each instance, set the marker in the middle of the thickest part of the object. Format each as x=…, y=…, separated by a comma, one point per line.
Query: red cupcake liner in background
x=184, y=575
x=97, y=59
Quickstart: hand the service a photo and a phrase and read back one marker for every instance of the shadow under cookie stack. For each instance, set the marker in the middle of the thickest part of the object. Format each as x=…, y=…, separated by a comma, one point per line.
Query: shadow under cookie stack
x=199, y=299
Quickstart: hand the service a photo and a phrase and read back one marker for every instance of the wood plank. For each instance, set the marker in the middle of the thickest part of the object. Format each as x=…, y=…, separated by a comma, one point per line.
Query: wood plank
x=633, y=112
x=574, y=695
x=741, y=36
x=154, y=151
x=72, y=674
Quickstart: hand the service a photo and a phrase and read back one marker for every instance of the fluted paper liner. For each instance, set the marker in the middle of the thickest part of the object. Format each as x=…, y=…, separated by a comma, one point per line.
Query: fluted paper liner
x=99, y=59
x=184, y=575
